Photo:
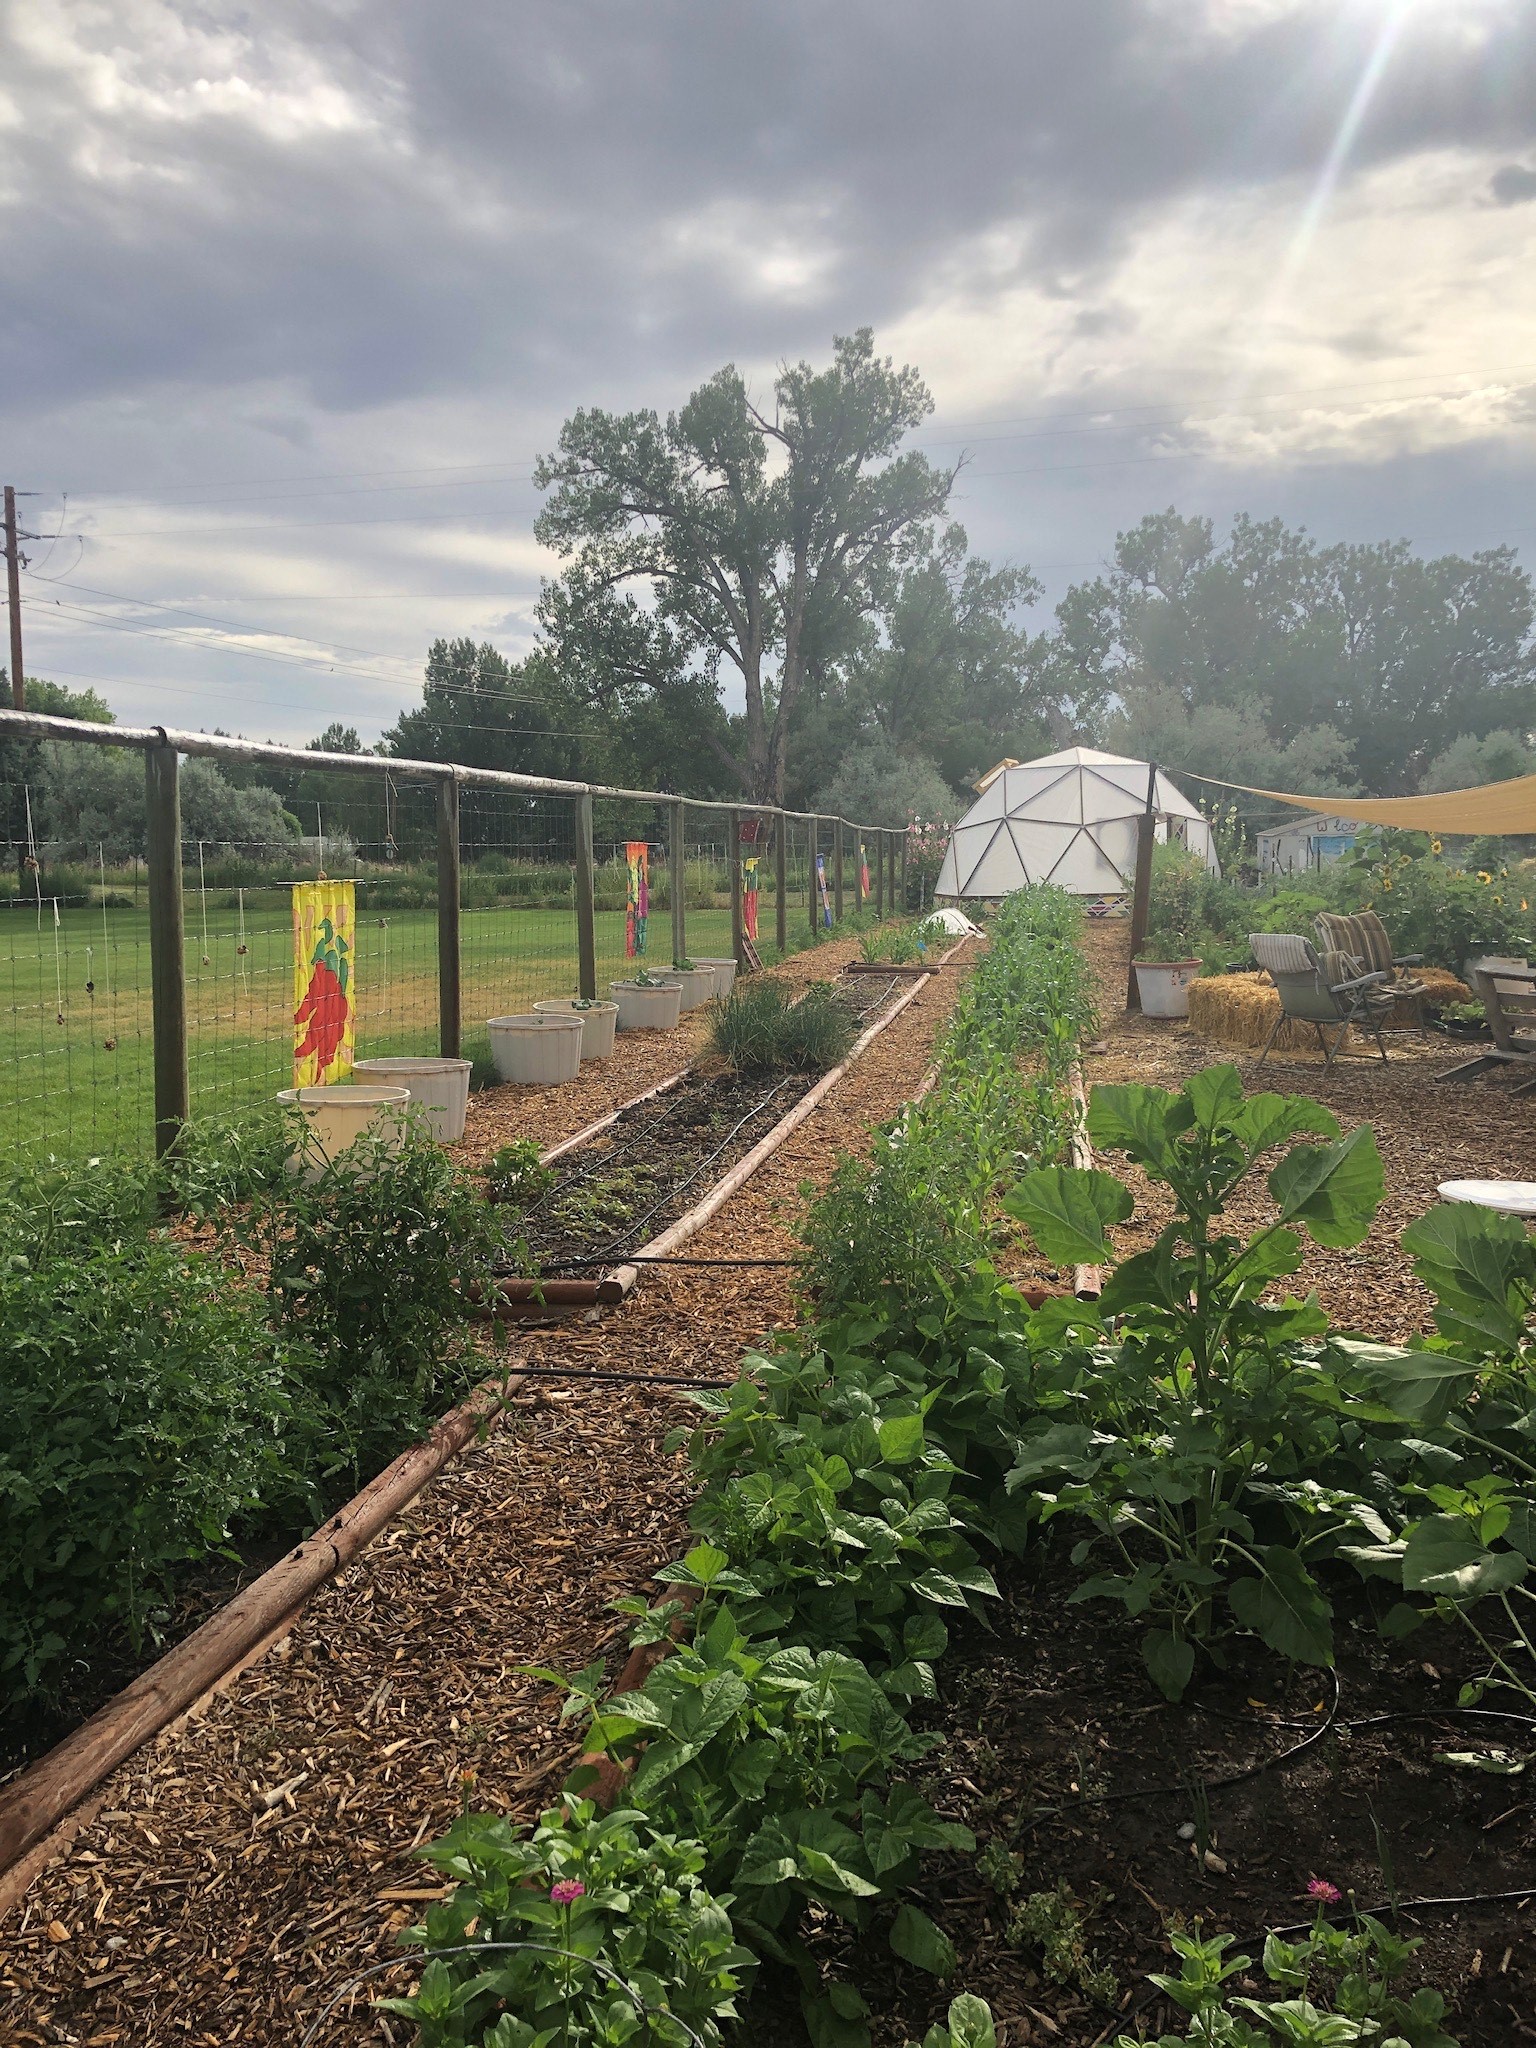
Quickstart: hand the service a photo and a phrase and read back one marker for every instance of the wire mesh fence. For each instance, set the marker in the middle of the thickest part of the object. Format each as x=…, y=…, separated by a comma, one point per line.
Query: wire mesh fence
x=77, y=1014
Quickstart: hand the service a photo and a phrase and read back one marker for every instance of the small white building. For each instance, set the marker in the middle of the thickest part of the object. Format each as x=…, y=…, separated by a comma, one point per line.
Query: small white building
x=1305, y=843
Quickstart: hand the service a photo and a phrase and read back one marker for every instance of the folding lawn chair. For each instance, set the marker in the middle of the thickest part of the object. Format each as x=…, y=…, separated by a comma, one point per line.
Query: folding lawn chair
x=1507, y=992
x=1364, y=938
x=1321, y=989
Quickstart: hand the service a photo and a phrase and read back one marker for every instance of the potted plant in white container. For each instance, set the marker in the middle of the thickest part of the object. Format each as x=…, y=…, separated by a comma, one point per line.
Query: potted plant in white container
x=338, y=1114
x=648, y=1003
x=535, y=1051
x=724, y=967
x=696, y=979
x=599, y=1020
x=440, y=1087
x=1165, y=966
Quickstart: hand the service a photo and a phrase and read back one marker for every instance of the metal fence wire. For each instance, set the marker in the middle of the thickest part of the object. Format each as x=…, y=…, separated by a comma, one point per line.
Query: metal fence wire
x=477, y=893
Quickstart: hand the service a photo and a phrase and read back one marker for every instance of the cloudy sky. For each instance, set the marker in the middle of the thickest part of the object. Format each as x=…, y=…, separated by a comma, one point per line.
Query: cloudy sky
x=291, y=296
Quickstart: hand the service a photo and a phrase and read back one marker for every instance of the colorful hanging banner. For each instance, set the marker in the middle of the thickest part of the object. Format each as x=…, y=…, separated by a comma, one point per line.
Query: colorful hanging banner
x=324, y=992
x=749, y=897
x=637, y=909
x=821, y=883
x=863, y=873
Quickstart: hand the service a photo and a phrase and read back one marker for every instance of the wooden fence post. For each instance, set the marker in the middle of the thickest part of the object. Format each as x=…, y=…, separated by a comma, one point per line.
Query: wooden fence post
x=812, y=893
x=1141, y=893
x=904, y=900
x=879, y=872
x=677, y=869
x=738, y=929
x=450, y=1013
x=780, y=882
x=890, y=862
x=167, y=943
x=586, y=902
x=837, y=871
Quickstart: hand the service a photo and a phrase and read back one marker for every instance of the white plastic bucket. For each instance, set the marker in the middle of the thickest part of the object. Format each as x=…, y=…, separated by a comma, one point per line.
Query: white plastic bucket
x=599, y=1021
x=697, y=983
x=1163, y=986
x=341, y=1113
x=649, y=1006
x=440, y=1087
x=724, y=967
x=536, y=1051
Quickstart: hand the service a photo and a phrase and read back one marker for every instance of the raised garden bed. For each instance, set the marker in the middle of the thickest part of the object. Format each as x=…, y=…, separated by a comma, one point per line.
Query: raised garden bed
x=1072, y=1770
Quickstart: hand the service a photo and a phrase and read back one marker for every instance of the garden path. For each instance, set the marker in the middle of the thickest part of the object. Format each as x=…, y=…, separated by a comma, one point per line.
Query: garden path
x=234, y=1875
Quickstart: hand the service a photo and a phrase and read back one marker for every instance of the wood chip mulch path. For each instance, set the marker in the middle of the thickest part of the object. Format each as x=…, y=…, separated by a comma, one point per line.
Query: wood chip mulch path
x=248, y=1863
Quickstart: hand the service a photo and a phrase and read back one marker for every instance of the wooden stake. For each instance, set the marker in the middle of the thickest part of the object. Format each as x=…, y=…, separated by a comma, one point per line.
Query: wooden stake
x=1141, y=895
x=677, y=869
x=780, y=886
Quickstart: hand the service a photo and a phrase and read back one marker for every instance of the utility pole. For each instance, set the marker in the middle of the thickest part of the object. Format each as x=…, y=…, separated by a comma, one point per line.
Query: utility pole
x=13, y=596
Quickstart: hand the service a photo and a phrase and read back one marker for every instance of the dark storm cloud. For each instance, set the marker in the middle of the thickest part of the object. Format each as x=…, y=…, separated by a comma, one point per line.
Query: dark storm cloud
x=1512, y=185
x=507, y=194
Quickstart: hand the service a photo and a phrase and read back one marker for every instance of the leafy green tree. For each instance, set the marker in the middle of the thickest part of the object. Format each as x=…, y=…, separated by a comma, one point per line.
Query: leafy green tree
x=754, y=538
x=1469, y=761
x=877, y=784
x=89, y=801
x=1396, y=653
x=21, y=760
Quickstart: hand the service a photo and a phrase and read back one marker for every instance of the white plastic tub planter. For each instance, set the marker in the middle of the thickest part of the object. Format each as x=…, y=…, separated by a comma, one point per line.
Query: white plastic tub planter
x=599, y=1021
x=697, y=983
x=647, y=1005
x=1163, y=986
x=536, y=1051
x=341, y=1113
x=440, y=1087
x=724, y=970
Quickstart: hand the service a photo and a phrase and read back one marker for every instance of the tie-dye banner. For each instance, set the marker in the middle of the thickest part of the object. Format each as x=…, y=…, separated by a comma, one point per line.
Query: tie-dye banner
x=749, y=897
x=324, y=992
x=637, y=909
x=864, y=889
x=821, y=884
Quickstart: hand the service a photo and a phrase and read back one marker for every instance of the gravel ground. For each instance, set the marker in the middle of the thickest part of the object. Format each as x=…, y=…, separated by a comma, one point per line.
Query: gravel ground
x=237, y=1872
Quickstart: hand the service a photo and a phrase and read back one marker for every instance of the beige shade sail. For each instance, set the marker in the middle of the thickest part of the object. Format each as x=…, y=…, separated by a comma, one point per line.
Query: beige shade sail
x=1495, y=807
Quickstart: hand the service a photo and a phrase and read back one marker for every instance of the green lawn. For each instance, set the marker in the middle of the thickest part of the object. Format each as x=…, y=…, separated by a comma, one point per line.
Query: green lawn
x=76, y=1063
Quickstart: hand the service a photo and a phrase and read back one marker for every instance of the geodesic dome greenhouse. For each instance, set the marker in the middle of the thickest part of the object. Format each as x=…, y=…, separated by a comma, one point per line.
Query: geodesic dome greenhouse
x=1068, y=818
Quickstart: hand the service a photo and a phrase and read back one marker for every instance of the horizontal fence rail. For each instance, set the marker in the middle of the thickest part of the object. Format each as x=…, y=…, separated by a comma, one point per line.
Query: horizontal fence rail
x=143, y=983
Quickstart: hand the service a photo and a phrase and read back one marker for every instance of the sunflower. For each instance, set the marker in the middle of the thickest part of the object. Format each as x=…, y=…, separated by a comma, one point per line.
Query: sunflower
x=1435, y=846
x=1484, y=876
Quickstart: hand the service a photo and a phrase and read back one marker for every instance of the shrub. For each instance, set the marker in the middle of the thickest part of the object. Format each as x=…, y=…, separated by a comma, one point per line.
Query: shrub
x=758, y=1026
x=369, y=1265
x=143, y=1407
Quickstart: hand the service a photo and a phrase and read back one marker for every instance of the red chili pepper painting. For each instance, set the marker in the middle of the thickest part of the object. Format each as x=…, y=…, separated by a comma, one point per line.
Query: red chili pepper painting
x=323, y=1017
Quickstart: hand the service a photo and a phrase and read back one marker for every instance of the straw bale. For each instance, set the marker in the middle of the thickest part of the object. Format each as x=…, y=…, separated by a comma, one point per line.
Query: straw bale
x=1238, y=1009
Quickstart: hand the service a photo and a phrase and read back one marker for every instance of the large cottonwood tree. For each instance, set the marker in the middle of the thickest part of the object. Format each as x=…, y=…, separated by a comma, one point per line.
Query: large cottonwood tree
x=757, y=537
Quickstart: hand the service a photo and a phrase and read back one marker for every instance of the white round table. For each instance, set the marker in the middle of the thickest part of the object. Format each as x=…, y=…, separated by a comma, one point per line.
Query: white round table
x=1509, y=1197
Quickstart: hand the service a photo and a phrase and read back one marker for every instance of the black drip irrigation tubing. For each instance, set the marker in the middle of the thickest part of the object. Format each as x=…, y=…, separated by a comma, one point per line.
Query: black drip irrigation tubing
x=612, y=1254
x=605, y=1372
x=1272, y=1763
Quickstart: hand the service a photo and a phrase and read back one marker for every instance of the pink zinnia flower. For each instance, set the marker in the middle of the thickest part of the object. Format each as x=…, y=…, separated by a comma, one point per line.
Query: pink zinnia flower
x=1325, y=1893
x=570, y=1889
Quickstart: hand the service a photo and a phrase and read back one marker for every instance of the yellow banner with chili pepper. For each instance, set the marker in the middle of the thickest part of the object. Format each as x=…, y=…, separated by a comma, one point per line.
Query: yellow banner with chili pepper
x=324, y=988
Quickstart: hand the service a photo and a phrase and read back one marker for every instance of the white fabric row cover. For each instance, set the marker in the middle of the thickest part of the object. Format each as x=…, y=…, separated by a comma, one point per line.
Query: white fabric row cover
x=1069, y=818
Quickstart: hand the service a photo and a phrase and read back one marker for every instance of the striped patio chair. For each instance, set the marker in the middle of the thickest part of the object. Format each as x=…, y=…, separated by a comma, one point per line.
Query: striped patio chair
x=1364, y=937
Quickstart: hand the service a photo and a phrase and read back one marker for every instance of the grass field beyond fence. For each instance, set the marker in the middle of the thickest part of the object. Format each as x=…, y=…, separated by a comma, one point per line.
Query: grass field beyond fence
x=76, y=1051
